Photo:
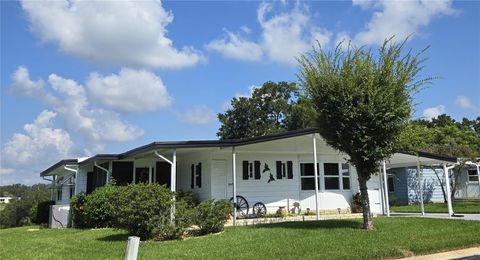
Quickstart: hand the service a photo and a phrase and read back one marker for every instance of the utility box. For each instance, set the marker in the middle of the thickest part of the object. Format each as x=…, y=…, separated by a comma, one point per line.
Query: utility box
x=59, y=216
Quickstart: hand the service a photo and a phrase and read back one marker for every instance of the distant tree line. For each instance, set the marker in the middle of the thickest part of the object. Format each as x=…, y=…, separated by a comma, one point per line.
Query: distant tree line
x=30, y=205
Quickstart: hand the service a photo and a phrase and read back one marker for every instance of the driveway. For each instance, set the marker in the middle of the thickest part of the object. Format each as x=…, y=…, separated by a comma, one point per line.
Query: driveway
x=439, y=215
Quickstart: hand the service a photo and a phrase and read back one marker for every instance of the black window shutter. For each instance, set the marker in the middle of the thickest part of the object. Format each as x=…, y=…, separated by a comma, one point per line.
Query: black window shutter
x=256, y=165
x=279, y=169
x=192, y=176
x=90, y=187
x=289, y=169
x=245, y=170
x=199, y=175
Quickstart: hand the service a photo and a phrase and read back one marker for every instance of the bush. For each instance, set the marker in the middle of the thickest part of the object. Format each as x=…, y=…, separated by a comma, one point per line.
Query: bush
x=189, y=197
x=77, y=211
x=168, y=230
x=144, y=210
x=211, y=215
x=99, y=207
x=42, y=212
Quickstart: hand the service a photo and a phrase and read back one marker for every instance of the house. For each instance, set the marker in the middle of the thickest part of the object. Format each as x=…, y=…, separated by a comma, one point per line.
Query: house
x=5, y=200
x=275, y=170
x=403, y=184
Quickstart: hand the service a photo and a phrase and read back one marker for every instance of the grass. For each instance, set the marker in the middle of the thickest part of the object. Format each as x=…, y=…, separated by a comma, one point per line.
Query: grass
x=330, y=239
x=458, y=207
x=2, y=206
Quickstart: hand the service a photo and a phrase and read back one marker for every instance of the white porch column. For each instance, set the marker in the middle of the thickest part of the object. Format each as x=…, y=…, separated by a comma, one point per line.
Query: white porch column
x=234, y=176
x=380, y=187
x=447, y=187
x=419, y=174
x=315, y=167
x=173, y=182
x=385, y=188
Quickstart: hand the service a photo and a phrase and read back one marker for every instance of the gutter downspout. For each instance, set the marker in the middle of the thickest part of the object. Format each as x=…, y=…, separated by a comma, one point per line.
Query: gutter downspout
x=420, y=186
x=103, y=169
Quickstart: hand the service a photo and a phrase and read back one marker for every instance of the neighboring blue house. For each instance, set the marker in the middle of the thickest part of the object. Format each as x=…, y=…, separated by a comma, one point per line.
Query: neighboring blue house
x=403, y=185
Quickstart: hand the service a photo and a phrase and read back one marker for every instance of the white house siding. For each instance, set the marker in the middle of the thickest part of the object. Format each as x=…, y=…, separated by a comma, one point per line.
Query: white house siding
x=284, y=192
x=467, y=189
x=184, y=173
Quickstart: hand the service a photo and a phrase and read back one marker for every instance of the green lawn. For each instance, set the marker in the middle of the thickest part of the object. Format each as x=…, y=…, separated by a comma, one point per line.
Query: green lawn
x=458, y=207
x=340, y=239
x=2, y=206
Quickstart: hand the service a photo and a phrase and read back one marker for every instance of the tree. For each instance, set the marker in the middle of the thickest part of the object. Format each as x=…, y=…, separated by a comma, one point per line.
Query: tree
x=363, y=102
x=272, y=108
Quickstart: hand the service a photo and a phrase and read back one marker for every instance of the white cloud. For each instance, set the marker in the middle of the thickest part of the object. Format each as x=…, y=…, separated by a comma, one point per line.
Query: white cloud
x=433, y=112
x=465, y=103
x=197, y=115
x=23, y=85
x=124, y=33
x=6, y=171
x=399, y=18
x=39, y=144
x=285, y=35
x=235, y=47
x=129, y=90
x=68, y=99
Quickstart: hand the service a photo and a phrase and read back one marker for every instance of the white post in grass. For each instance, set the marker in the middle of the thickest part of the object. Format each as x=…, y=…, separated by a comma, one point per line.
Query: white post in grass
x=234, y=176
x=315, y=167
x=385, y=188
x=447, y=187
x=419, y=174
x=131, y=252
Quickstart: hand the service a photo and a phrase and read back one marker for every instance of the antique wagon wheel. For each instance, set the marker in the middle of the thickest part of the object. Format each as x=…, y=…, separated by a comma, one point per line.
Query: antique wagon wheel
x=242, y=206
x=259, y=210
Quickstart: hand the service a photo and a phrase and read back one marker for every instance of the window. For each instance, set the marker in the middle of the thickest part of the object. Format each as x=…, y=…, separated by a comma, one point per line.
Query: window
x=284, y=169
x=472, y=175
x=72, y=191
x=59, y=194
x=391, y=183
x=122, y=172
x=332, y=176
x=307, y=176
x=251, y=170
x=198, y=176
x=346, y=176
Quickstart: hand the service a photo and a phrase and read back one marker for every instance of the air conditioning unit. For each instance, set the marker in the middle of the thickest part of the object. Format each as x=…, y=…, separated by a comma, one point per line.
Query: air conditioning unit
x=59, y=216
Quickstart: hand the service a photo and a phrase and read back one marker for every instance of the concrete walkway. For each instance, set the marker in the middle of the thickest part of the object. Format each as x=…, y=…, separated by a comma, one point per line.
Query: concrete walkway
x=464, y=254
x=439, y=215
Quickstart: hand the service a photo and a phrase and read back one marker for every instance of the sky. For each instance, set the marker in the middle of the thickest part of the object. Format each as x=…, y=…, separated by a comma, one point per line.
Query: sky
x=85, y=77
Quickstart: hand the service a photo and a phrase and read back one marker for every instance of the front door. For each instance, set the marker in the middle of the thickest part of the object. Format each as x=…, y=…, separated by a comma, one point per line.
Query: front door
x=219, y=179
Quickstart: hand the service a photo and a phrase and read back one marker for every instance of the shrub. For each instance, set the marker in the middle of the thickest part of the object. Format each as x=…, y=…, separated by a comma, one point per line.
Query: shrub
x=77, y=211
x=357, y=203
x=99, y=206
x=184, y=218
x=189, y=197
x=42, y=212
x=211, y=215
x=144, y=210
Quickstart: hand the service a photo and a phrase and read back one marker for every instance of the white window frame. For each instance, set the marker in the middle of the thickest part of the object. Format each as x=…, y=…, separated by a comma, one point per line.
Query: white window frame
x=473, y=175
x=349, y=169
x=312, y=176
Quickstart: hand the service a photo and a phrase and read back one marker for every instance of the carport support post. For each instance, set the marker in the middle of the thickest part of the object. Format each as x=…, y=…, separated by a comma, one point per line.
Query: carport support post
x=385, y=187
x=420, y=191
x=234, y=176
x=315, y=167
x=447, y=187
x=173, y=182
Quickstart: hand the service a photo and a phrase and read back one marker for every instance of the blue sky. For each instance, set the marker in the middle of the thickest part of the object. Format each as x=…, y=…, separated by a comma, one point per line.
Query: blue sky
x=79, y=78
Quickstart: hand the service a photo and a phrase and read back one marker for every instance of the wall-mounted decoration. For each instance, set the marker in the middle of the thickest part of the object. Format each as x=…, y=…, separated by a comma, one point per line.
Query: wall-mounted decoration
x=267, y=169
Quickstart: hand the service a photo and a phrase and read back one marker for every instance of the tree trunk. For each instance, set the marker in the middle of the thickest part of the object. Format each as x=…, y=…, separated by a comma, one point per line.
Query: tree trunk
x=367, y=216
